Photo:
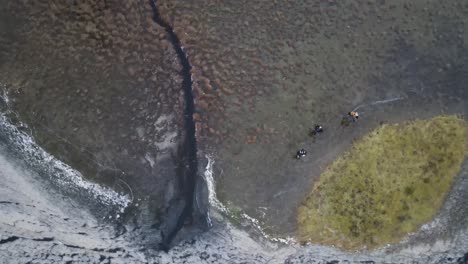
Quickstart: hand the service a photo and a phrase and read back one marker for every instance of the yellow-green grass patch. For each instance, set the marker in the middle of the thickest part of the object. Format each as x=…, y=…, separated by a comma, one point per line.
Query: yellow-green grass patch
x=391, y=182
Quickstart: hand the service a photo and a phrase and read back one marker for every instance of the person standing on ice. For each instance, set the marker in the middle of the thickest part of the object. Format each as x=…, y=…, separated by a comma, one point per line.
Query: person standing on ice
x=301, y=153
x=354, y=115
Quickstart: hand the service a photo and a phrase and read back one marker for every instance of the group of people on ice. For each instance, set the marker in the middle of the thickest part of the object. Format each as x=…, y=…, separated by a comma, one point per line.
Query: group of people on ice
x=318, y=129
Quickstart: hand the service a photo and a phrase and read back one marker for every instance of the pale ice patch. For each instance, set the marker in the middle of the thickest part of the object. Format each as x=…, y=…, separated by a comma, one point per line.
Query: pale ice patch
x=386, y=101
x=162, y=119
x=256, y=224
x=140, y=132
x=4, y=96
x=431, y=225
x=437, y=246
x=168, y=141
x=150, y=159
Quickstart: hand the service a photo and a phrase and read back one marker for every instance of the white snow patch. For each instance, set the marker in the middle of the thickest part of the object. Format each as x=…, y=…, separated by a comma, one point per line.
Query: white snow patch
x=210, y=183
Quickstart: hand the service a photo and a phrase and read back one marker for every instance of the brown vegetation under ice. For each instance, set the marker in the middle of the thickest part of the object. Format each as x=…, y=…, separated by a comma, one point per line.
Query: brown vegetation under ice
x=265, y=71
x=99, y=85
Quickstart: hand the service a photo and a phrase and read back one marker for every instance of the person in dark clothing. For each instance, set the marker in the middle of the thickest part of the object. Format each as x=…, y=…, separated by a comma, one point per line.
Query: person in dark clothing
x=301, y=153
x=318, y=129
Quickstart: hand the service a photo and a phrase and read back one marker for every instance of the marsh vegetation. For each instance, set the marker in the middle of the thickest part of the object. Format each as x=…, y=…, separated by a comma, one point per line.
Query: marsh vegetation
x=391, y=182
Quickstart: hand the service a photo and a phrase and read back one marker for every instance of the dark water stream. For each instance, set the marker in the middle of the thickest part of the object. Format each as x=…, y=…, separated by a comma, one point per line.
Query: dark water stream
x=189, y=175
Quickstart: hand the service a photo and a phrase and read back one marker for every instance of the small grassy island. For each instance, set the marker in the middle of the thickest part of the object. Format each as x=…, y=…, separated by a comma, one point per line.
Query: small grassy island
x=390, y=183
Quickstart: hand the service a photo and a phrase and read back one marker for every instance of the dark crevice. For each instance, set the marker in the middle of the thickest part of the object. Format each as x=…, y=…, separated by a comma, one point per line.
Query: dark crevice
x=9, y=239
x=73, y=246
x=114, y=250
x=43, y=239
x=463, y=260
x=190, y=165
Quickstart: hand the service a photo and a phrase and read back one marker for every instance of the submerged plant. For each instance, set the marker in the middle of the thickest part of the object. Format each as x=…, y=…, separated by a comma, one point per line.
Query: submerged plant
x=390, y=183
